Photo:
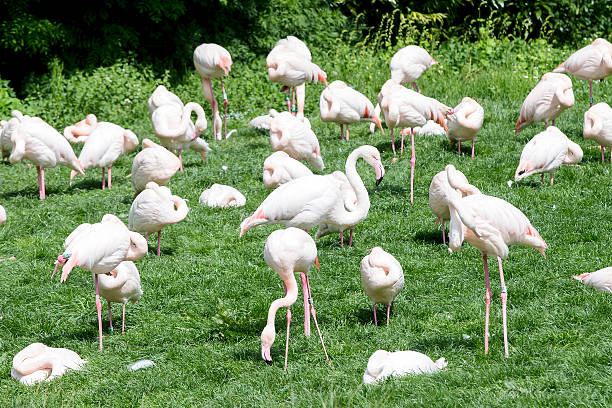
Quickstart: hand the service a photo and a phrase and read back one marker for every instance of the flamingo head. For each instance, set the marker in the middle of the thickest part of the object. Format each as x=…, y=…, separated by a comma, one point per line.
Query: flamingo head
x=267, y=339
x=322, y=77
x=433, y=62
x=371, y=115
x=372, y=156
x=225, y=64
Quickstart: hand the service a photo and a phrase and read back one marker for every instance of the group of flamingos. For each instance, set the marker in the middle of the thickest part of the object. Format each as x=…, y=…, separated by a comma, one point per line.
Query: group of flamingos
x=301, y=200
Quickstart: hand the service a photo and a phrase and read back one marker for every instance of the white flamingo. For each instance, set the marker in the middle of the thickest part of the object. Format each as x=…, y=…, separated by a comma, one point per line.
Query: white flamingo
x=598, y=127
x=37, y=363
x=600, y=280
x=153, y=163
x=295, y=137
x=219, y=195
x=465, y=122
x=383, y=364
x=123, y=288
x=280, y=168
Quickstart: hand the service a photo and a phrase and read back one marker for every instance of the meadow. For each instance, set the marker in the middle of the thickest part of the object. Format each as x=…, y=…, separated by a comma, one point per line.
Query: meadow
x=206, y=298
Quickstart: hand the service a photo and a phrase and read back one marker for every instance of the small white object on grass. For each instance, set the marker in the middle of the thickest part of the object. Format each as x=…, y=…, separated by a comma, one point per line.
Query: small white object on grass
x=224, y=167
x=383, y=364
x=509, y=183
x=466, y=337
x=140, y=364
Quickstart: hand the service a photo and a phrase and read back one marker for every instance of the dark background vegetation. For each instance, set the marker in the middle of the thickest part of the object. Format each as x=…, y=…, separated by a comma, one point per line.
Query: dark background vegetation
x=163, y=34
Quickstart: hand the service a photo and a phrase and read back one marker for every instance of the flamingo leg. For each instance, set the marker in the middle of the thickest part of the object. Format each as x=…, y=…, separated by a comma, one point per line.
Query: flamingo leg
x=488, y=295
x=388, y=312
x=293, y=106
x=374, y=309
x=42, y=179
x=287, y=341
x=225, y=102
x=341, y=238
x=504, y=299
x=554, y=122
x=603, y=157
x=288, y=99
x=210, y=97
x=103, y=178
x=412, y=163
x=342, y=131
x=591, y=92
x=123, y=320
x=351, y=238
x=437, y=221
x=158, y=242
x=306, y=310
x=40, y=191
x=545, y=124
x=459, y=147
x=110, y=316
x=552, y=174
x=109, y=177
x=473, y=141
x=402, y=144
x=542, y=178
x=180, y=160
x=314, y=316
x=443, y=233
x=98, y=307
x=392, y=141
x=347, y=132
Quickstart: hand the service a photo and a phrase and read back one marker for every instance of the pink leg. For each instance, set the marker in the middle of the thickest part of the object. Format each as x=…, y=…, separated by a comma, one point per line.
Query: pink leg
x=110, y=316
x=443, y=233
x=158, y=242
x=603, y=157
x=342, y=131
x=459, y=147
x=210, y=97
x=42, y=179
x=347, y=132
x=473, y=140
x=123, y=320
x=504, y=299
x=341, y=238
x=314, y=316
x=542, y=178
x=98, y=308
x=351, y=238
x=103, y=178
x=306, y=310
x=180, y=159
x=591, y=92
x=374, y=308
x=488, y=295
x=288, y=99
x=287, y=341
x=412, y=163
x=552, y=174
x=147, y=236
x=402, y=144
x=225, y=102
x=109, y=177
x=392, y=141
x=437, y=221
x=40, y=190
x=545, y=124
x=388, y=312
x=293, y=107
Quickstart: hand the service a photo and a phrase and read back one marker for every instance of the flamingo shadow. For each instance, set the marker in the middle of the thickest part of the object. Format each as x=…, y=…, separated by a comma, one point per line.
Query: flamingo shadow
x=432, y=236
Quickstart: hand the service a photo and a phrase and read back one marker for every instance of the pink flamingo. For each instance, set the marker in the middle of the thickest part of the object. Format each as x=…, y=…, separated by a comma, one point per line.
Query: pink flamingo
x=545, y=153
x=350, y=203
x=409, y=63
x=100, y=248
x=598, y=127
x=79, y=132
x=103, y=146
x=290, y=64
x=465, y=122
x=289, y=251
x=37, y=363
x=153, y=209
x=219, y=195
x=590, y=63
x=551, y=96
x=440, y=191
x=213, y=61
x=153, y=163
x=405, y=108
x=5, y=141
x=122, y=288
x=383, y=364
x=490, y=224
x=35, y=140
x=314, y=200
x=2, y=215
x=295, y=137
x=382, y=278
x=342, y=104
x=280, y=168
x=600, y=280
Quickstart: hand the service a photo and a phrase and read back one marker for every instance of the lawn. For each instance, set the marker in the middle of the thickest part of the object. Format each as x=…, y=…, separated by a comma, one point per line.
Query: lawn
x=206, y=298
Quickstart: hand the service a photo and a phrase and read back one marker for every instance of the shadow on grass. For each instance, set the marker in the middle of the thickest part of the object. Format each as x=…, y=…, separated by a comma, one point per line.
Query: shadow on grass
x=388, y=188
x=432, y=236
x=29, y=192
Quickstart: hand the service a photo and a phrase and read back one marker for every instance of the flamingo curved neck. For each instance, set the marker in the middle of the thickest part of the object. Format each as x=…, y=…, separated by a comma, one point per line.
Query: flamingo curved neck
x=363, y=199
x=287, y=301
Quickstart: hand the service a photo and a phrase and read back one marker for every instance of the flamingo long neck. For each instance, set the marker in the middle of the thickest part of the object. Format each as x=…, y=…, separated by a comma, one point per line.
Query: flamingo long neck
x=181, y=209
x=287, y=301
x=363, y=199
x=188, y=110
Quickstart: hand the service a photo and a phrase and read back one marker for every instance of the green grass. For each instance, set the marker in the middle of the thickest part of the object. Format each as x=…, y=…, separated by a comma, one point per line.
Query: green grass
x=206, y=298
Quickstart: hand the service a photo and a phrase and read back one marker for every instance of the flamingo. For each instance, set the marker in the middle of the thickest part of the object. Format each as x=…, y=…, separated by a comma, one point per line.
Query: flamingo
x=465, y=122
x=122, y=288
x=406, y=108
x=350, y=204
x=295, y=137
x=551, y=96
x=162, y=96
x=440, y=191
x=545, y=153
x=37, y=141
x=290, y=64
x=383, y=364
x=490, y=224
x=153, y=163
x=5, y=142
x=314, y=200
x=600, y=280
x=103, y=146
x=280, y=168
x=589, y=63
x=409, y=63
x=213, y=61
x=219, y=195
x=37, y=363
x=79, y=132
x=598, y=126
x=100, y=248
x=344, y=105
x=2, y=215
x=289, y=251
x=382, y=278
x=154, y=208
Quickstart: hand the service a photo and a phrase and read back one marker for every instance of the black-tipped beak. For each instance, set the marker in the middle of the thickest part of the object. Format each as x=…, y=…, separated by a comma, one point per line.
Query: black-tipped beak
x=378, y=180
x=268, y=362
x=521, y=172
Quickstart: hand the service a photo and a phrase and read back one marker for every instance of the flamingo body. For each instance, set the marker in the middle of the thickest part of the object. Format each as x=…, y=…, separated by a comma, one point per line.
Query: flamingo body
x=123, y=288
x=295, y=137
x=219, y=195
x=466, y=121
x=37, y=363
x=153, y=163
x=591, y=62
x=79, y=132
x=598, y=125
x=280, y=168
x=600, y=280
x=409, y=63
x=2, y=215
x=383, y=364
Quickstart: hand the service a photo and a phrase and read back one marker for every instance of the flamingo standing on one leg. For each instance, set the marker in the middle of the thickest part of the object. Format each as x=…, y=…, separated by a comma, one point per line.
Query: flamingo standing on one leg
x=490, y=224
x=598, y=126
x=213, y=61
x=154, y=208
x=100, y=248
x=37, y=141
x=551, y=96
x=589, y=63
x=465, y=122
x=545, y=153
x=405, y=108
x=344, y=105
x=289, y=251
x=382, y=278
x=122, y=288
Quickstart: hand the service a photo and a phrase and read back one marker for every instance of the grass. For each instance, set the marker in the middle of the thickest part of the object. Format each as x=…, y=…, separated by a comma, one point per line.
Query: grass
x=206, y=298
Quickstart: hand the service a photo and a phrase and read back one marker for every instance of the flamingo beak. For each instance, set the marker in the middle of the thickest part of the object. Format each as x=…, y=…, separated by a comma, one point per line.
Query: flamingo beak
x=541, y=250
x=265, y=354
x=433, y=61
x=377, y=121
x=322, y=78
x=72, y=174
x=380, y=171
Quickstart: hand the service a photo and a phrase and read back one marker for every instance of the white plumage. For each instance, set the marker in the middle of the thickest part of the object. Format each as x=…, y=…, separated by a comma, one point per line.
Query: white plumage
x=219, y=195
x=598, y=126
x=295, y=137
x=600, y=280
x=279, y=168
x=123, y=288
x=465, y=122
x=591, y=62
x=409, y=63
x=2, y=215
x=383, y=364
x=79, y=132
x=153, y=163
x=350, y=204
x=37, y=363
